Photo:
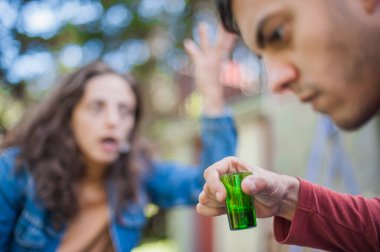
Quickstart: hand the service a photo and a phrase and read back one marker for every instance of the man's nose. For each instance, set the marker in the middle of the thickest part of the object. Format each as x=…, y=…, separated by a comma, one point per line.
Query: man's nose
x=280, y=75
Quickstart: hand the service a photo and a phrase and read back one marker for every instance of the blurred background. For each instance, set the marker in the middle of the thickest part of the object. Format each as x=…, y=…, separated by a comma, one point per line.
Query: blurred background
x=42, y=40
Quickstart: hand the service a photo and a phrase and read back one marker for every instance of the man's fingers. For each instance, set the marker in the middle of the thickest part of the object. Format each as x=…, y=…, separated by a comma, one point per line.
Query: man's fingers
x=208, y=192
x=212, y=174
x=260, y=182
x=215, y=187
x=248, y=185
x=207, y=211
x=209, y=200
x=219, y=195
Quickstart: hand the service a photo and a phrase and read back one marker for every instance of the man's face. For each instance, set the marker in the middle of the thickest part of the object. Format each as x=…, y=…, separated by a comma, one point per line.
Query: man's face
x=325, y=52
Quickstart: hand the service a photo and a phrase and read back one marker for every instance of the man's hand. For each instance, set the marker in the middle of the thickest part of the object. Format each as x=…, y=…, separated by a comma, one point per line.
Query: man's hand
x=274, y=194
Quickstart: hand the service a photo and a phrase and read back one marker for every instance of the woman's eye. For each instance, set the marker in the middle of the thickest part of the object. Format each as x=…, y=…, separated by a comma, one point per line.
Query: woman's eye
x=125, y=111
x=95, y=107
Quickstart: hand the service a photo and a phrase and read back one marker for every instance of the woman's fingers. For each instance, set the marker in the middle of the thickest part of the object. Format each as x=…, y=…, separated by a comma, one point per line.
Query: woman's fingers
x=191, y=48
x=203, y=36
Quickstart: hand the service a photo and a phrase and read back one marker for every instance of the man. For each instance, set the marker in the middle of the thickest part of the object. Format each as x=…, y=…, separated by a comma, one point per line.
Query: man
x=327, y=53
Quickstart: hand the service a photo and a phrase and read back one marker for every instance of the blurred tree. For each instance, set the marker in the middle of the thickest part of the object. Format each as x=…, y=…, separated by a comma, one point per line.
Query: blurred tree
x=40, y=40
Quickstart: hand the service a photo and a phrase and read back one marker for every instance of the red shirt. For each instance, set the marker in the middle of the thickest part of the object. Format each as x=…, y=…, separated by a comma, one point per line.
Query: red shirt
x=331, y=221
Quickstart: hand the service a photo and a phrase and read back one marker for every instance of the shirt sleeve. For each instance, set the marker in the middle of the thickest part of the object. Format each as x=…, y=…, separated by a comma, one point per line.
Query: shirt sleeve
x=172, y=183
x=328, y=220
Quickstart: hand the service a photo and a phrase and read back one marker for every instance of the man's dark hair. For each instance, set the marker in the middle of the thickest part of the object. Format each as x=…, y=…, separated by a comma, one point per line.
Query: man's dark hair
x=225, y=12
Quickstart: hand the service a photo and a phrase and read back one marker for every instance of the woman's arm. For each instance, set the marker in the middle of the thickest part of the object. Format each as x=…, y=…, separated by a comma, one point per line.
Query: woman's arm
x=172, y=183
x=11, y=196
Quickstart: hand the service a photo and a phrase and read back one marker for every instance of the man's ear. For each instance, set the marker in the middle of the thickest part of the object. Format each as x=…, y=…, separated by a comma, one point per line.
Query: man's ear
x=369, y=5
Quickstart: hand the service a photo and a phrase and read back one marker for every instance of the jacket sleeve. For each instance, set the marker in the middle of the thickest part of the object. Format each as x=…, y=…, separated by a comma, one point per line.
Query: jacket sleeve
x=171, y=184
x=11, y=197
x=331, y=221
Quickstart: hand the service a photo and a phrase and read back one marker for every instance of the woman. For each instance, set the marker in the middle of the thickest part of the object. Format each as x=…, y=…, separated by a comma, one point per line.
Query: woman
x=72, y=175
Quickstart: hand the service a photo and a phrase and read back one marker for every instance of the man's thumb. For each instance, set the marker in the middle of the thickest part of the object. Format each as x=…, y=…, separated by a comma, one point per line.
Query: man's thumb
x=248, y=185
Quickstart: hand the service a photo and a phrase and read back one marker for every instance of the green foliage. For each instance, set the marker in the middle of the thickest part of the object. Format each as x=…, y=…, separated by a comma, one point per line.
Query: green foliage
x=21, y=80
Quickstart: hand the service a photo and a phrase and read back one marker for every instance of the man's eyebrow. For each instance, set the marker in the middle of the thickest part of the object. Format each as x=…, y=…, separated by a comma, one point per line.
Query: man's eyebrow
x=259, y=31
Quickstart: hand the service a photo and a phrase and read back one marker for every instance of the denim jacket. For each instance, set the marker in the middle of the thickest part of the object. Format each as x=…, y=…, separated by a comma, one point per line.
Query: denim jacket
x=23, y=220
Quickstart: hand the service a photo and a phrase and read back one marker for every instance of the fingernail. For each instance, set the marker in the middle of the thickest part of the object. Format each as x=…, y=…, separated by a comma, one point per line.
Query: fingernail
x=250, y=185
x=247, y=185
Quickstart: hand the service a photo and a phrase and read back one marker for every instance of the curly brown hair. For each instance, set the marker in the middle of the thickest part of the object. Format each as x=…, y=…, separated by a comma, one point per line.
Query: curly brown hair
x=48, y=147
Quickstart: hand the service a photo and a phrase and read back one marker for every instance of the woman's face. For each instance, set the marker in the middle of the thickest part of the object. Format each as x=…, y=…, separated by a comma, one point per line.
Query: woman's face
x=103, y=118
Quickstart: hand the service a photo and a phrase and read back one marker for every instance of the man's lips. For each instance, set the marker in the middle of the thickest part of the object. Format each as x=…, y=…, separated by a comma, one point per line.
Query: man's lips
x=307, y=97
x=315, y=101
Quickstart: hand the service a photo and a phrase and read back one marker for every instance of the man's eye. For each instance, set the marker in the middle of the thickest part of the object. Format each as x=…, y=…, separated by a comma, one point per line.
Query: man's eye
x=277, y=36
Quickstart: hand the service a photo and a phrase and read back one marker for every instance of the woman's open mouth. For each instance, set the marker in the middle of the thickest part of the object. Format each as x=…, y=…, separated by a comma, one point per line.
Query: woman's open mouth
x=110, y=144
